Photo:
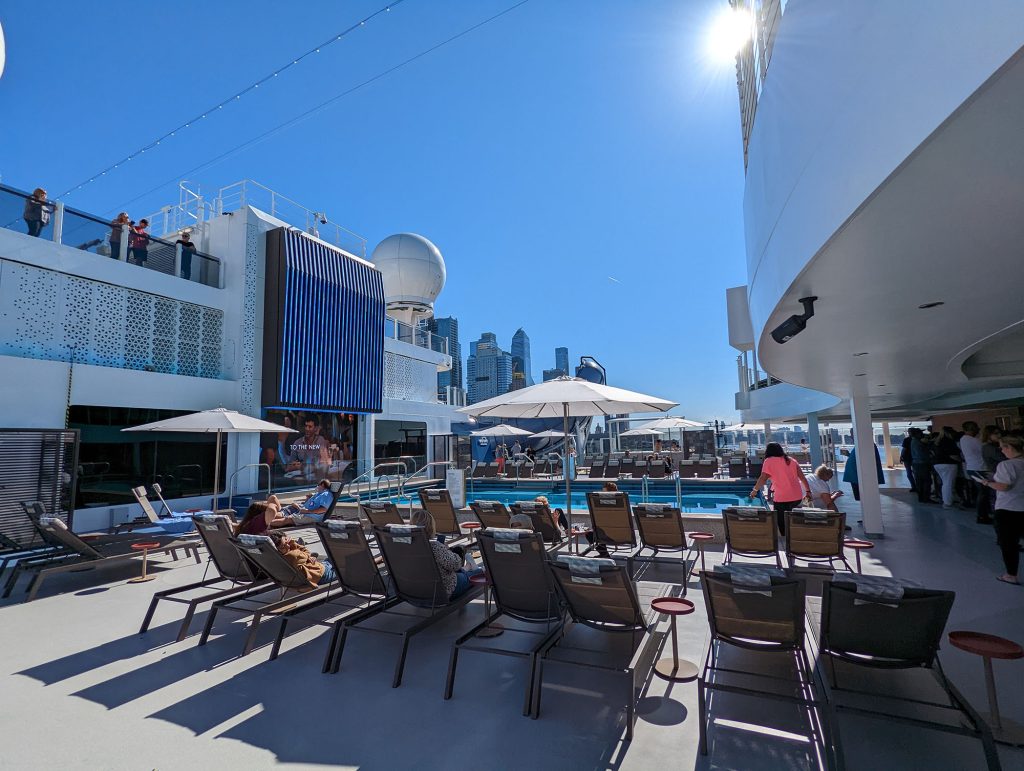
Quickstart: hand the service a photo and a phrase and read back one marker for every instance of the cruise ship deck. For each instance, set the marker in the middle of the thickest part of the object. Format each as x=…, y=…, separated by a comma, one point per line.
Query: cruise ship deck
x=85, y=690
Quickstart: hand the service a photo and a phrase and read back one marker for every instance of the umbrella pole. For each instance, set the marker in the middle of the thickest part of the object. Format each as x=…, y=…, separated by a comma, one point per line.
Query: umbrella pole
x=565, y=466
x=216, y=474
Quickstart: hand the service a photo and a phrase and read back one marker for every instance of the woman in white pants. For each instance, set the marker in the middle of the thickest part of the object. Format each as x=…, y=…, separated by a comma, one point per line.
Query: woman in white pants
x=947, y=464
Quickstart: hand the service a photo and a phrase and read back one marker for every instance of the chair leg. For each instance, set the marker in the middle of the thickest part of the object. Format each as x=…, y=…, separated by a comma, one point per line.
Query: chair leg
x=630, y=708
x=209, y=626
x=702, y=715
x=250, y=638
x=149, y=614
x=339, y=649
x=400, y=665
x=529, y=685
x=538, y=686
x=33, y=588
x=186, y=622
x=195, y=553
x=336, y=628
x=12, y=579
x=453, y=661
x=276, y=648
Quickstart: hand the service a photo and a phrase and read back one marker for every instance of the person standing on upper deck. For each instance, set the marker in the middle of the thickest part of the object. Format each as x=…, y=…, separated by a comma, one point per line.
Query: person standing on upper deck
x=37, y=212
x=138, y=243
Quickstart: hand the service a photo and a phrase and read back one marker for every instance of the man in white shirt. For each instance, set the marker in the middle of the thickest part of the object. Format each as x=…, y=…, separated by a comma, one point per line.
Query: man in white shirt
x=970, y=448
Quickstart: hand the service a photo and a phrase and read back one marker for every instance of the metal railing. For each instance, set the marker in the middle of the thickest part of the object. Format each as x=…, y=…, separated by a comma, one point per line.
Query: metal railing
x=237, y=471
x=89, y=233
x=418, y=336
x=249, y=193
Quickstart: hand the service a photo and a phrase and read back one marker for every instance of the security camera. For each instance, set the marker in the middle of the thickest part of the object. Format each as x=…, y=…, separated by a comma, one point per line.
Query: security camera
x=794, y=325
x=321, y=217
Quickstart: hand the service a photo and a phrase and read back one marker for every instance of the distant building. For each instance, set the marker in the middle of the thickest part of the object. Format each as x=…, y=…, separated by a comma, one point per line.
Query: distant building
x=488, y=369
x=521, y=355
x=562, y=359
x=551, y=374
x=518, y=380
x=448, y=328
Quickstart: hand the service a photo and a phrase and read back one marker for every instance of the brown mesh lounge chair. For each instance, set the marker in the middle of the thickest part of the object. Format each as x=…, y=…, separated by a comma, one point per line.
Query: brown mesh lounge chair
x=490, y=513
x=33, y=546
x=288, y=589
x=599, y=594
x=234, y=577
x=111, y=550
x=751, y=532
x=758, y=609
x=361, y=590
x=381, y=513
x=543, y=520
x=416, y=582
x=656, y=469
x=611, y=520
x=479, y=471
x=816, y=536
x=597, y=468
x=627, y=467
x=524, y=599
x=865, y=625
x=661, y=530
x=438, y=502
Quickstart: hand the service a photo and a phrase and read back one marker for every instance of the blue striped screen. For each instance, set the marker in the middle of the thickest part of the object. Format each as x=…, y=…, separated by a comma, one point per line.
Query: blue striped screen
x=328, y=323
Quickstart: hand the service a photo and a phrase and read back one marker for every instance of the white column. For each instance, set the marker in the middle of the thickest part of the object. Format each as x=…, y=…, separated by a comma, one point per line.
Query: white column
x=814, y=439
x=867, y=475
x=887, y=445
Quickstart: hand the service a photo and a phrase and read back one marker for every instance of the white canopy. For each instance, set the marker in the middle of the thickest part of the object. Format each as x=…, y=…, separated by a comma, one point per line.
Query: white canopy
x=641, y=432
x=219, y=421
x=549, y=434
x=670, y=422
x=501, y=430
x=551, y=398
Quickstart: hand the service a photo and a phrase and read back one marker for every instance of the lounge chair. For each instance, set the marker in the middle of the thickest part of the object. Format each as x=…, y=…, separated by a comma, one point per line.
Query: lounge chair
x=861, y=629
x=596, y=468
x=36, y=546
x=492, y=470
x=523, y=591
x=416, y=581
x=706, y=468
x=627, y=467
x=288, y=589
x=381, y=513
x=756, y=466
x=111, y=550
x=737, y=468
x=171, y=523
x=490, y=513
x=611, y=520
x=660, y=527
x=687, y=469
x=524, y=470
x=750, y=532
x=361, y=591
x=542, y=518
x=759, y=610
x=599, y=594
x=656, y=469
x=438, y=502
x=816, y=536
x=235, y=578
x=479, y=471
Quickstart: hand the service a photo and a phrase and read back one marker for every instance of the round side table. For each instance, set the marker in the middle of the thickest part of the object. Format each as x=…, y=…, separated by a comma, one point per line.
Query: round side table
x=491, y=630
x=675, y=669
x=144, y=548
x=699, y=540
x=577, y=535
x=989, y=647
x=472, y=527
x=858, y=545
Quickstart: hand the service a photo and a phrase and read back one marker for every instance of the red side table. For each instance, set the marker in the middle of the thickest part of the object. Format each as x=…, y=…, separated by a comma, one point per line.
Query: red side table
x=989, y=647
x=858, y=545
x=675, y=669
x=491, y=630
x=699, y=540
x=144, y=548
x=576, y=535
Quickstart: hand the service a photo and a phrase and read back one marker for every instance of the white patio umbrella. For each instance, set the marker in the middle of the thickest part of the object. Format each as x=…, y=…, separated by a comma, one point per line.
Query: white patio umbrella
x=501, y=430
x=219, y=421
x=549, y=434
x=567, y=397
x=642, y=432
x=671, y=421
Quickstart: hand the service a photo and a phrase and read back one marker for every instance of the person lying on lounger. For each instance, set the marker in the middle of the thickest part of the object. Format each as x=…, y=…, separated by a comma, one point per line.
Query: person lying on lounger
x=298, y=556
x=310, y=510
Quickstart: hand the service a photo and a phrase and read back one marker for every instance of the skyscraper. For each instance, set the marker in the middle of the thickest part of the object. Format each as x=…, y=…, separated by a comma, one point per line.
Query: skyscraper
x=488, y=369
x=562, y=359
x=448, y=328
x=521, y=355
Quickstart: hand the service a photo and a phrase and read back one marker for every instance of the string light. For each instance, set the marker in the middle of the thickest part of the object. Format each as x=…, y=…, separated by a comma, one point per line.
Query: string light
x=234, y=97
x=322, y=106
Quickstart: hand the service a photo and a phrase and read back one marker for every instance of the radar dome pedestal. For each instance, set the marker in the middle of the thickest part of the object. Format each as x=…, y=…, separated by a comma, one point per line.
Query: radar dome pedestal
x=414, y=275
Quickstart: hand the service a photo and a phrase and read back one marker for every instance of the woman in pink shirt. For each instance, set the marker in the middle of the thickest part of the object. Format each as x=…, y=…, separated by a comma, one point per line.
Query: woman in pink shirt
x=789, y=485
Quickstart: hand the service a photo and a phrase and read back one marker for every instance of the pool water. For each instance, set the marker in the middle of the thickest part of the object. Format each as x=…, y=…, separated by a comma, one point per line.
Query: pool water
x=692, y=503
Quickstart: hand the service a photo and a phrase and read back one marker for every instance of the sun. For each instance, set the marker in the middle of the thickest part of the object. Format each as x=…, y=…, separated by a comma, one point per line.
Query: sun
x=729, y=32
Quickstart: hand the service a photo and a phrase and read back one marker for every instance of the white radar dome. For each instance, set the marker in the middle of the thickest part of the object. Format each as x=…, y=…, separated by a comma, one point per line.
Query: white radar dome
x=413, y=270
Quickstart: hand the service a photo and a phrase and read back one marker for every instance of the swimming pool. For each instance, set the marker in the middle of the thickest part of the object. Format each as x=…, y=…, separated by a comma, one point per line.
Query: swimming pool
x=691, y=503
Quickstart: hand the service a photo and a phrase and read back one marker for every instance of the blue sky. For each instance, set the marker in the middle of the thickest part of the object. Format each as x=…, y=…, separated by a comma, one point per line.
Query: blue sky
x=565, y=143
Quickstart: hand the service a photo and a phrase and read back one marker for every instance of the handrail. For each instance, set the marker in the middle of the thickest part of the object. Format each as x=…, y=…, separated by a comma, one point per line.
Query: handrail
x=645, y=488
x=405, y=459
x=373, y=479
x=234, y=474
x=449, y=463
x=679, y=492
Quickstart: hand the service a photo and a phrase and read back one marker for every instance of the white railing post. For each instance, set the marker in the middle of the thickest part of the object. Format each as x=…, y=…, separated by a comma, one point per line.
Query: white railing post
x=165, y=211
x=177, y=259
x=199, y=209
x=220, y=274
x=122, y=253
x=58, y=222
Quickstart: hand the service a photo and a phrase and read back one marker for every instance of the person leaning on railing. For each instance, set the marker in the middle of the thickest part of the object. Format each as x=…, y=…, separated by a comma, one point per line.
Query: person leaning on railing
x=138, y=243
x=37, y=212
x=117, y=226
x=188, y=251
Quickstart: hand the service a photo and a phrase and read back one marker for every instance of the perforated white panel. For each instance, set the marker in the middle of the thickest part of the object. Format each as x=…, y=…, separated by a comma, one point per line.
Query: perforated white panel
x=248, y=362
x=409, y=379
x=54, y=316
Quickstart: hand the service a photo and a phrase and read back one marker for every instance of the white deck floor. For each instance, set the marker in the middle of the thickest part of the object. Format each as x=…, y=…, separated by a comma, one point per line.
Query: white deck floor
x=81, y=689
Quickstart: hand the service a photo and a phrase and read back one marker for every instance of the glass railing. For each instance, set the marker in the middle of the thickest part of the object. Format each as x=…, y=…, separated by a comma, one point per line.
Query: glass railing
x=399, y=330
x=53, y=221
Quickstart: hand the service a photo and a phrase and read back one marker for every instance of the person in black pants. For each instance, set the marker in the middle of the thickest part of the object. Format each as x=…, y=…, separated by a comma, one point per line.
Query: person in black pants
x=908, y=464
x=921, y=458
x=1008, y=482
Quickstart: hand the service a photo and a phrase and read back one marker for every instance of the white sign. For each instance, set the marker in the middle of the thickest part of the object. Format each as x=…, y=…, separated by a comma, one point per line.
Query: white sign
x=455, y=481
